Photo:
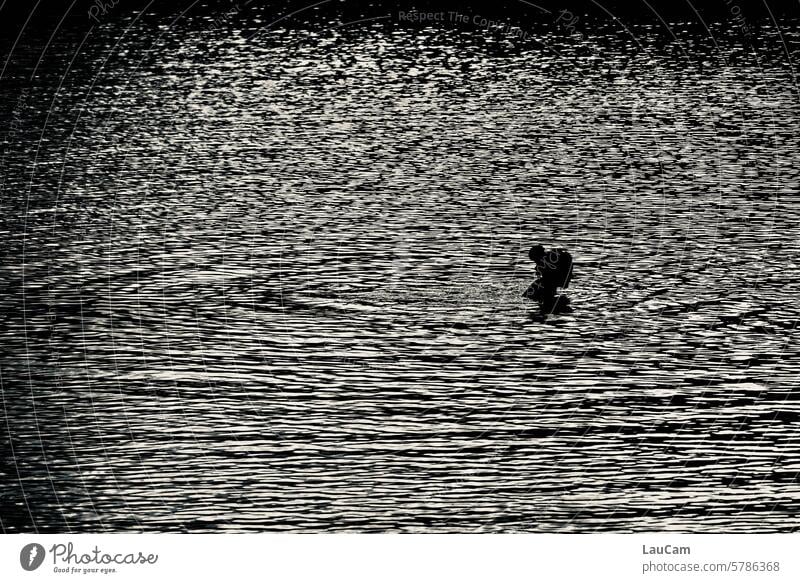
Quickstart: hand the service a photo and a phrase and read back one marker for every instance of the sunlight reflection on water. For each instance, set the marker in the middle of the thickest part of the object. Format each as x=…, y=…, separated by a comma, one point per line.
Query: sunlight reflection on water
x=279, y=287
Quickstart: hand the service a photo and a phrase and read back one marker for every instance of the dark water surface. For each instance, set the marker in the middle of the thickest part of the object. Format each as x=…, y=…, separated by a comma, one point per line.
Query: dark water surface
x=270, y=280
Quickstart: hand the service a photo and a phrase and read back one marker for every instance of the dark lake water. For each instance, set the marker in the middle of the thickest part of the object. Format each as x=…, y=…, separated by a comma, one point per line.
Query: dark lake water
x=262, y=278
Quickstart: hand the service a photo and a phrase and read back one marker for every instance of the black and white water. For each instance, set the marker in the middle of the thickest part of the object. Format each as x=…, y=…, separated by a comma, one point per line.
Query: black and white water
x=268, y=278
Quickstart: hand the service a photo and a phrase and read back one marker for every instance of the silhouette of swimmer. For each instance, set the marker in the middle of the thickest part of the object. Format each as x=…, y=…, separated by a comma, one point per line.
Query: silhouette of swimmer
x=554, y=271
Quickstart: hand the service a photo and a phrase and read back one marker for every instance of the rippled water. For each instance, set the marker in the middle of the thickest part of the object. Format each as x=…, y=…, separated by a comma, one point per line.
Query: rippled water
x=271, y=281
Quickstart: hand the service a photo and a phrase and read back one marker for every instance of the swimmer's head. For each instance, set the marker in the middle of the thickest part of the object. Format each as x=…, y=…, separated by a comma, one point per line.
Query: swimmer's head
x=536, y=253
